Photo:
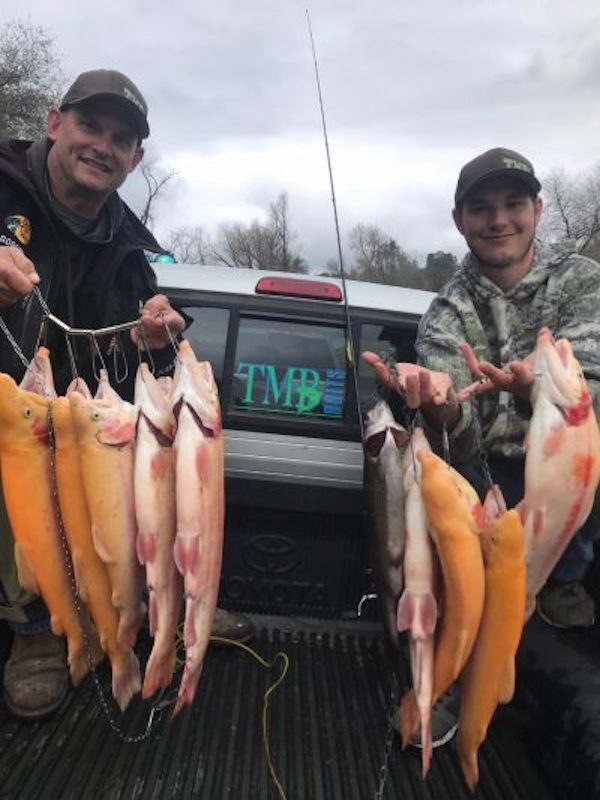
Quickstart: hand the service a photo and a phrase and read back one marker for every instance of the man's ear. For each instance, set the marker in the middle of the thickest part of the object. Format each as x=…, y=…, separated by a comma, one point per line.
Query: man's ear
x=137, y=157
x=54, y=120
x=457, y=217
x=538, y=205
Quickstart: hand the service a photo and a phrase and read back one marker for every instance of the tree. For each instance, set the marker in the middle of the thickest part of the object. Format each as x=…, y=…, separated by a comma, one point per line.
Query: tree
x=439, y=268
x=260, y=245
x=156, y=179
x=380, y=259
x=572, y=211
x=31, y=80
x=190, y=245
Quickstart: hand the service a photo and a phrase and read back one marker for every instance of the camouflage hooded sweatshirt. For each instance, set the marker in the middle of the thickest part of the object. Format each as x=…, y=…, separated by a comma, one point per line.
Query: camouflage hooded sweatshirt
x=560, y=291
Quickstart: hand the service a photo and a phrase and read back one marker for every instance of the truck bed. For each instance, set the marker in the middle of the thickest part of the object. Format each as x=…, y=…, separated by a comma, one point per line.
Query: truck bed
x=327, y=728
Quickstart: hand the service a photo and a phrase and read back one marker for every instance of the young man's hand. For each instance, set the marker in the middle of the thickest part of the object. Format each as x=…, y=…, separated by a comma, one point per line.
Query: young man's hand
x=422, y=388
x=17, y=275
x=518, y=380
x=156, y=315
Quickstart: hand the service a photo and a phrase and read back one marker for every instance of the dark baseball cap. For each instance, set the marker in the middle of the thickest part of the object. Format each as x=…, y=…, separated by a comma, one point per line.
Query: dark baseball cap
x=110, y=83
x=498, y=161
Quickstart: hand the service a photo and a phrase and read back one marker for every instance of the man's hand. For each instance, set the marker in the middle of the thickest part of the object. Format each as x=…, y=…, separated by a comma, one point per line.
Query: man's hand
x=17, y=275
x=156, y=315
x=518, y=380
x=422, y=388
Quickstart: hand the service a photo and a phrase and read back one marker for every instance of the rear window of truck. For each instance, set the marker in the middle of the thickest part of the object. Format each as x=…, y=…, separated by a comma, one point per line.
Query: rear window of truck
x=281, y=368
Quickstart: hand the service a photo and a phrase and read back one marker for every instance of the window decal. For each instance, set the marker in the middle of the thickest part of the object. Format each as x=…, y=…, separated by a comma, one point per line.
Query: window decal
x=298, y=391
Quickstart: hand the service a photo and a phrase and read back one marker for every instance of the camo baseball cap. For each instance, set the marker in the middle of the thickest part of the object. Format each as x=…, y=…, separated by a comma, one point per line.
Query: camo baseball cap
x=114, y=85
x=498, y=161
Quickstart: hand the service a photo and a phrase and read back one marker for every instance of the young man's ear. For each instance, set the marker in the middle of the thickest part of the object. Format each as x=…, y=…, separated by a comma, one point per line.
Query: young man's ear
x=457, y=217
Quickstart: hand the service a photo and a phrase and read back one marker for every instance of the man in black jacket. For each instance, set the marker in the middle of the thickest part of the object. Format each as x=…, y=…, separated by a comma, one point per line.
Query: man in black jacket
x=65, y=230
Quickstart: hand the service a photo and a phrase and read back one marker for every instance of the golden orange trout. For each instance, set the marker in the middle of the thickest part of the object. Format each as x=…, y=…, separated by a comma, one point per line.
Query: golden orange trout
x=93, y=584
x=154, y=483
x=200, y=507
x=27, y=483
x=453, y=515
x=488, y=677
x=417, y=609
x=562, y=450
x=105, y=433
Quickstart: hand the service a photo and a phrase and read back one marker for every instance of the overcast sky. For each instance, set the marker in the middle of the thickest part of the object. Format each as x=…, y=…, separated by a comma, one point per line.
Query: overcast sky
x=411, y=91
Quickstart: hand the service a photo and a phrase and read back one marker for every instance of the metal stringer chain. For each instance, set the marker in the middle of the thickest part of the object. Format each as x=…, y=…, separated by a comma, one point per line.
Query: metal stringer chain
x=388, y=740
x=154, y=710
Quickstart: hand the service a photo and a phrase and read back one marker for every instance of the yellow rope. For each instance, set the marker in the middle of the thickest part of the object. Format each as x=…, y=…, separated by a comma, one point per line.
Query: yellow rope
x=280, y=655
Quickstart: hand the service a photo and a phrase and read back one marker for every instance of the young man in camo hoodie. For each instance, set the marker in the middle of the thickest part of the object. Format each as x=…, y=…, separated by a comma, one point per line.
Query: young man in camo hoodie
x=508, y=286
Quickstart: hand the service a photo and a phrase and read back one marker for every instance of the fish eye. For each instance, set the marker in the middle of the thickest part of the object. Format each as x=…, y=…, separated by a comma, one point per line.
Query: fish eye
x=95, y=415
x=27, y=412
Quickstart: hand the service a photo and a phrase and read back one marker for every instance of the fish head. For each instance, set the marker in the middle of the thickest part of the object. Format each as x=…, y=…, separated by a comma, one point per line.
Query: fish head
x=381, y=427
x=23, y=414
x=109, y=423
x=558, y=375
x=503, y=538
x=105, y=391
x=195, y=385
x=418, y=444
x=38, y=377
x=151, y=400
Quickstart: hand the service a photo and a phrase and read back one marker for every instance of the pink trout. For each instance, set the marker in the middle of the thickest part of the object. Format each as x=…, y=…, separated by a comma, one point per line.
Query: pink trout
x=199, y=473
x=562, y=464
x=417, y=610
x=154, y=482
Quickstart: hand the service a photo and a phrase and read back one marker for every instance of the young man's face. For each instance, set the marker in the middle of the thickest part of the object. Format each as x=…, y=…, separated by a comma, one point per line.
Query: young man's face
x=94, y=149
x=498, y=219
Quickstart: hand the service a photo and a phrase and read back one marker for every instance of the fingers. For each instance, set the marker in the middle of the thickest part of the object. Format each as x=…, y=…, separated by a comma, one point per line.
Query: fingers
x=471, y=359
x=157, y=320
x=17, y=275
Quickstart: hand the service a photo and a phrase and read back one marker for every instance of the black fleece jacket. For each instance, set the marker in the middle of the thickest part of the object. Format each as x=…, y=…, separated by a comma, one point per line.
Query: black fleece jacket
x=86, y=283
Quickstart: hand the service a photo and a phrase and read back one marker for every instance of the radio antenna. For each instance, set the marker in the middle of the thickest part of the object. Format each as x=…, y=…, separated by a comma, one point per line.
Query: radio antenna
x=349, y=341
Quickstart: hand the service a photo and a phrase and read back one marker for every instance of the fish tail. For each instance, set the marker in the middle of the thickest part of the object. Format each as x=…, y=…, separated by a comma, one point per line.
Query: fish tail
x=470, y=768
x=79, y=664
x=159, y=671
x=426, y=743
x=126, y=678
x=187, y=688
x=409, y=717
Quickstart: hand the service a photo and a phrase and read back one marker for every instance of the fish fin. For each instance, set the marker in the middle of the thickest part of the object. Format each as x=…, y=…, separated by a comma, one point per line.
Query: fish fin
x=554, y=439
x=426, y=743
x=417, y=612
x=507, y=683
x=126, y=678
x=146, y=545
x=25, y=572
x=80, y=582
x=187, y=553
x=99, y=544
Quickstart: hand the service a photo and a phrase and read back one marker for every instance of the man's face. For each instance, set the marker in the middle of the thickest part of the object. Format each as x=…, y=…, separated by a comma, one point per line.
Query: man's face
x=94, y=148
x=498, y=219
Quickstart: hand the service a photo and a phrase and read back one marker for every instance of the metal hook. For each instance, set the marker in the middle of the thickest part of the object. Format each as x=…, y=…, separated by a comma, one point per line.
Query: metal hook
x=72, y=360
x=115, y=349
x=95, y=347
x=142, y=346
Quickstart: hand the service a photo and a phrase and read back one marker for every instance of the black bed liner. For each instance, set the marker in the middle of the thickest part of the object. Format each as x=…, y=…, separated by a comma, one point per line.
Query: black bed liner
x=327, y=728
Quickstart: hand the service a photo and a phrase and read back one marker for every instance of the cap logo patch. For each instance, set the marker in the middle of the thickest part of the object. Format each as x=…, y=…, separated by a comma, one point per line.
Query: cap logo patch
x=133, y=99
x=20, y=226
x=513, y=163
